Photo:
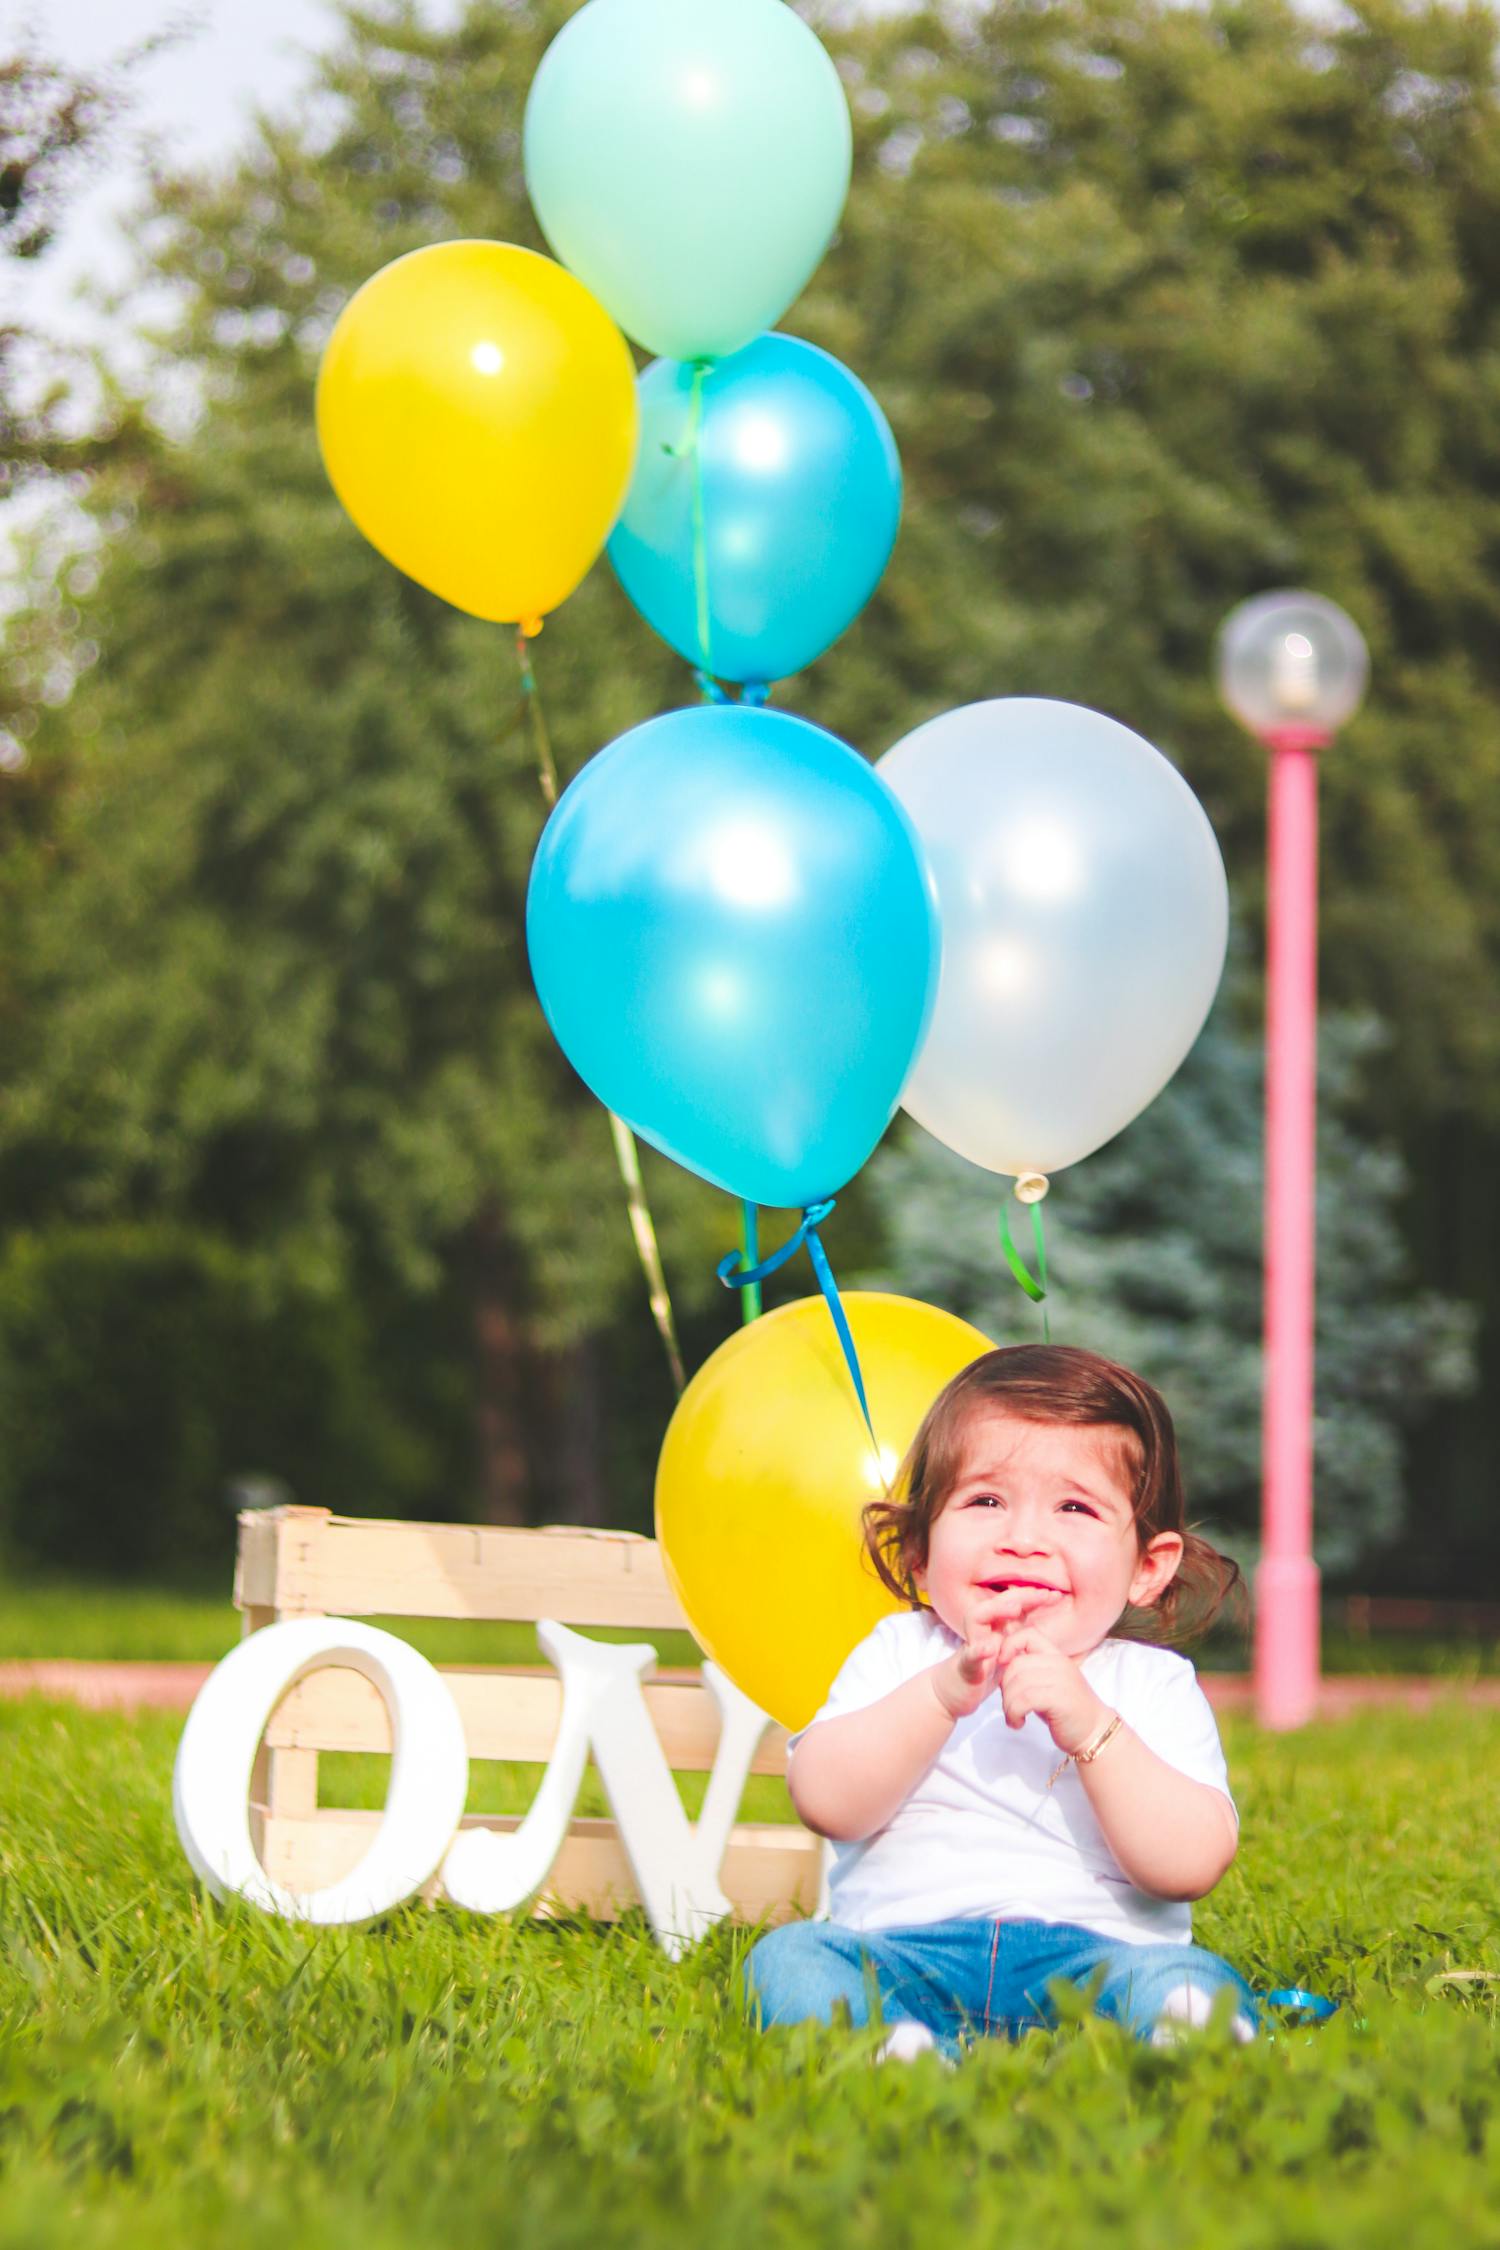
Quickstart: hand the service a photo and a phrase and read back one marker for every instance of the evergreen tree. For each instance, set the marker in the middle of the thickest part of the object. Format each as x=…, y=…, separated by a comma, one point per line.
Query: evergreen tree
x=1154, y=1254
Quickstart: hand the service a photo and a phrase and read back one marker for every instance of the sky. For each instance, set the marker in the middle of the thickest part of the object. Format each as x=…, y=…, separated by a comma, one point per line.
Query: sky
x=193, y=101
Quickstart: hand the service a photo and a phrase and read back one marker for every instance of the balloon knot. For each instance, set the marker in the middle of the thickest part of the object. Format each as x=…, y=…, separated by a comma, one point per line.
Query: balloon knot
x=1031, y=1186
x=530, y=627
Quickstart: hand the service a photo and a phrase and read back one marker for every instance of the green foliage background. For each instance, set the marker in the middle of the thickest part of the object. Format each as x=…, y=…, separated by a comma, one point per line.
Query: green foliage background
x=1165, y=305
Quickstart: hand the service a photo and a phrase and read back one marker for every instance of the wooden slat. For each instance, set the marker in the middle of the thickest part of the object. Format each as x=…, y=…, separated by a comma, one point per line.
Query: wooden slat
x=304, y=1562
x=770, y=1869
x=507, y=1713
x=255, y=1559
x=292, y=1783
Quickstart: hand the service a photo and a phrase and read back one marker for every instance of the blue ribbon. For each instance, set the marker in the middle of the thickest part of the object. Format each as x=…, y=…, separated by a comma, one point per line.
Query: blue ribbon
x=734, y=1274
x=1312, y=2004
x=753, y=693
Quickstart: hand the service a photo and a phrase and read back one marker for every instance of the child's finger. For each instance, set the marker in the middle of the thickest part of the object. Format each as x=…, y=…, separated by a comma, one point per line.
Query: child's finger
x=1022, y=1640
x=997, y=1608
x=977, y=1658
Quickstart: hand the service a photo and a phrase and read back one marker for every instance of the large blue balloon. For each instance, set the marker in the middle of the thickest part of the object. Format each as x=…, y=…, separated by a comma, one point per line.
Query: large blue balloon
x=801, y=497
x=733, y=935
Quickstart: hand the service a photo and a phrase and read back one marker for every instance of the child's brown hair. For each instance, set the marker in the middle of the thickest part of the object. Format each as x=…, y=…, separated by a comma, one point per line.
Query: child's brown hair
x=1055, y=1383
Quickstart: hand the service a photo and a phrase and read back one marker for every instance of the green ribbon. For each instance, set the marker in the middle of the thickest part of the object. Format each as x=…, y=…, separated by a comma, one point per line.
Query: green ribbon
x=700, y=528
x=1035, y=1285
x=691, y=449
x=735, y=1274
x=749, y=1258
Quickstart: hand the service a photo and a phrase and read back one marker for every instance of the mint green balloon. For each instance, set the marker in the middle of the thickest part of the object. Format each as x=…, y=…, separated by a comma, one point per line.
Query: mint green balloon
x=689, y=160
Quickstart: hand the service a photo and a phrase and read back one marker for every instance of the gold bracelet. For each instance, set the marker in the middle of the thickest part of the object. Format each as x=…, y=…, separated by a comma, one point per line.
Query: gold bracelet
x=1091, y=1749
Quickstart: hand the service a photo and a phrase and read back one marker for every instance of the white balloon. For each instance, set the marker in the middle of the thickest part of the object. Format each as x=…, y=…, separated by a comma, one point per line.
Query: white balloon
x=1085, y=916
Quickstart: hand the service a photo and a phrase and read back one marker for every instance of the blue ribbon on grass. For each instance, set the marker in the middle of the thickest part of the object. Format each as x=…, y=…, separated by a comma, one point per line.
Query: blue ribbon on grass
x=1312, y=2005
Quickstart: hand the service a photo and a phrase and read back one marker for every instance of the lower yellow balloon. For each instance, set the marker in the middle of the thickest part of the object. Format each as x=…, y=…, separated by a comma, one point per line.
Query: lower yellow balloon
x=477, y=415
x=766, y=1468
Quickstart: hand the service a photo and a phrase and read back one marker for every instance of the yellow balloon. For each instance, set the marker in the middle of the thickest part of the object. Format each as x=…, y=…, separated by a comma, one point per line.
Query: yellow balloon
x=766, y=1468
x=477, y=414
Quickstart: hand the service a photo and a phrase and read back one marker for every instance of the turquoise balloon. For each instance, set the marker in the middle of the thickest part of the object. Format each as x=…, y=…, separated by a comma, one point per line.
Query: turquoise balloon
x=800, y=494
x=689, y=160
x=733, y=937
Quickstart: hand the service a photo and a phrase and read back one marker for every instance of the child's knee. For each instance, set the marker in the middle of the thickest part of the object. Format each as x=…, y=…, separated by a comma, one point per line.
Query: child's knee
x=775, y=1965
x=1163, y=1993
x=1191, y=2004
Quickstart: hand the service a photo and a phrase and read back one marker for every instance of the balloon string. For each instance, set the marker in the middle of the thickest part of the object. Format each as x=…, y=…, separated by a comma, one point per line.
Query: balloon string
x=735, y=1274
x=647, y=1248
x=1035, y=1288
x=749, y=1255
x=626, y=1154
x=546, y=766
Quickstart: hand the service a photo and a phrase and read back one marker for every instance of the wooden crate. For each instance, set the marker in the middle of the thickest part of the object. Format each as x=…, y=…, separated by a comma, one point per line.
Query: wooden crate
x=306, y=1562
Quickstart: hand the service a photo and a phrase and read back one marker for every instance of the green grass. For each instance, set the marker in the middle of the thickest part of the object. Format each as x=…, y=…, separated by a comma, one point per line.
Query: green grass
x=52, y=1617
x=72, y=1618
x=174, y=2073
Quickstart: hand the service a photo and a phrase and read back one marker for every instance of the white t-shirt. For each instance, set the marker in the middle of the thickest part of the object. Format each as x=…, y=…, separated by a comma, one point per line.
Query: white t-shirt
x=981, y=1835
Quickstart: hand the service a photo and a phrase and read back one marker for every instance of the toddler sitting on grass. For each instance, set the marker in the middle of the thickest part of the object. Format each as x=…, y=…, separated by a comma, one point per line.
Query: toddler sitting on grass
x=1018, y=1794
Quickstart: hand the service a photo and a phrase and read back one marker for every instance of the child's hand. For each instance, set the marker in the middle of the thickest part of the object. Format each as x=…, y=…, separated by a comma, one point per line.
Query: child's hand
x=962, y=1683
x=1036, y=1675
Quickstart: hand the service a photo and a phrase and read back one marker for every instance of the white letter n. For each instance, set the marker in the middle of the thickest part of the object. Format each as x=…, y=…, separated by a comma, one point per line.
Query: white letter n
x=675, y=1862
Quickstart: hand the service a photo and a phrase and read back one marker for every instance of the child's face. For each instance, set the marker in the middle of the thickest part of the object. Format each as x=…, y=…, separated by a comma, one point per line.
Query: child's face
x=1044, y=1506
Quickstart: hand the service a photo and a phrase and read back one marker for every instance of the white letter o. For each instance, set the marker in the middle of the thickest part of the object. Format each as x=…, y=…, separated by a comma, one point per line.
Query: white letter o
x=429, y=1767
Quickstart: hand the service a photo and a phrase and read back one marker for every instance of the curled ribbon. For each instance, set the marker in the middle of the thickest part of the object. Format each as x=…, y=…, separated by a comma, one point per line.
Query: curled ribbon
x=1035, y=1286
x=735, y=1274
x=752, y=694
x=1311, y=2004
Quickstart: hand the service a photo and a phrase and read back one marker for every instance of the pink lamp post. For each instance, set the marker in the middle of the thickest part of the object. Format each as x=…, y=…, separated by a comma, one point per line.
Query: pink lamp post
x=1292, y=670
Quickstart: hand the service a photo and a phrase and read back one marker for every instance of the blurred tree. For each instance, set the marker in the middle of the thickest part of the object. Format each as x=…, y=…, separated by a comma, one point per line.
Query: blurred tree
x=1165, y=305
x=58, y=126
x=148, y=1377
x=1154, y=1254
x=52, y=124
x=278, y=986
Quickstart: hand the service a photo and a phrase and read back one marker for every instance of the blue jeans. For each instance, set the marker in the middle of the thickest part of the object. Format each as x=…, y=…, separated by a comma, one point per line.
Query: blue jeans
x=980, y=1978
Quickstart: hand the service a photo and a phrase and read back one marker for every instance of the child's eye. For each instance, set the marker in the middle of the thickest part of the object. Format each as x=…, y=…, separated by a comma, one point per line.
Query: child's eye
x=1081, y=1505
x=983, y=1500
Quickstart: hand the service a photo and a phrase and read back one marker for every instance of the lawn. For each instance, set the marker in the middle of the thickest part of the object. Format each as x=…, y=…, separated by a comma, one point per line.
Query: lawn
x=71, y=1617
x=175, y=2073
